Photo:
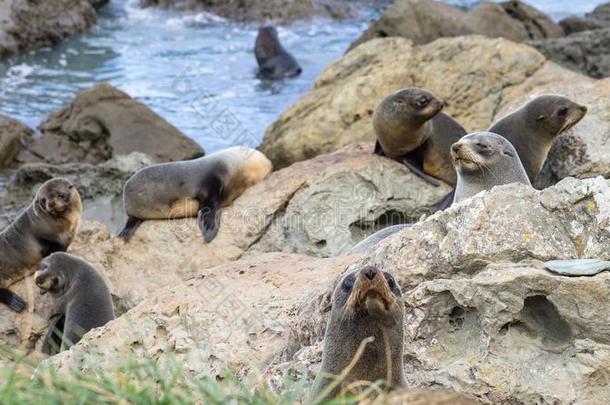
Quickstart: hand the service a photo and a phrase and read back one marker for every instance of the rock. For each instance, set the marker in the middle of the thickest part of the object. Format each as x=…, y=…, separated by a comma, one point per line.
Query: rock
x=581, y=151
x=13, y=136
x=259, y=10
x=483, y=316
x=26, y=25
x=471, y=73
x=103, y=122
x=598, y=18
x=98, y=3
x=587, y=52
x=424, y=21
x=321, y=207
x=423, y=396
x=100, y=186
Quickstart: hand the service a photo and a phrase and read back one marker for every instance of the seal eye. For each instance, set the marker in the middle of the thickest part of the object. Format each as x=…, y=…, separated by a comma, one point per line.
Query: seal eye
x=563, y=111
x=422, y=102
x=508, y=153
x=390, y=280
x=63, y=196
x=54, y=282
x=348, y=283
x=43, y=201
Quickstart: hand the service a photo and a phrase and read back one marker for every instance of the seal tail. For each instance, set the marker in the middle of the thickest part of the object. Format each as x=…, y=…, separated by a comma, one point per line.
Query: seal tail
x=12, y=300
x=130, y=228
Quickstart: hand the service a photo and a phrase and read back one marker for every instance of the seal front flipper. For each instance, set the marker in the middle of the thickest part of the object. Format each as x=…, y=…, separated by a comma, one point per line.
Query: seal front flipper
x=208, y=217
x=130, y=228
x=419, y=173
x=12, y=300
x=446, y=201
x=51, y=343
x=378, y=149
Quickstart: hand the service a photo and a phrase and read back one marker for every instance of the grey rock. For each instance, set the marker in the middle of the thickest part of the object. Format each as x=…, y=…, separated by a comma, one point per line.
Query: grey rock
x=14, y=135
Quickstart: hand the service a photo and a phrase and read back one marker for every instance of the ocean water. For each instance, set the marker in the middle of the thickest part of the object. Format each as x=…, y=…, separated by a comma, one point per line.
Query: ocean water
x=197, y=71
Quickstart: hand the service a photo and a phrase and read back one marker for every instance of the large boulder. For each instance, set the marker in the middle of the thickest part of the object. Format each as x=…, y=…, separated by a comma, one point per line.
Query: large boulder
x=103, y=122
x=583, y=150
x=259, y=10
x=26, y=25
x=13, y=137
x=587, y=51
x=471, y=73
x=598, y=18
x=424, y=21
x=483, y=316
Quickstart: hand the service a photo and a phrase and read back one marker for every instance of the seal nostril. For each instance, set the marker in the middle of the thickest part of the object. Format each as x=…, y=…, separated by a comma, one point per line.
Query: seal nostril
x=369, y=272
x=39, y=280
x=455, y=147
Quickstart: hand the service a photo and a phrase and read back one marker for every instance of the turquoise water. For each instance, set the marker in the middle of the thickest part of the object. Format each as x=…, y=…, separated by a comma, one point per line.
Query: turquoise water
x=197, y=71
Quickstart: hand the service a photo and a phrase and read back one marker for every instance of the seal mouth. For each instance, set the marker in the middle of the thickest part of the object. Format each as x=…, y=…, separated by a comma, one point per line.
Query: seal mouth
x=574, y=118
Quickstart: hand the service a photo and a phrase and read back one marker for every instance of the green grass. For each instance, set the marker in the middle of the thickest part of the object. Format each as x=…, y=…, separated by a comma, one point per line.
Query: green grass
x=139, y=383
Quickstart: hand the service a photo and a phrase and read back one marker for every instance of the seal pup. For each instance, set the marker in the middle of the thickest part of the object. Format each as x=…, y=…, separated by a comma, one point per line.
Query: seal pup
x=533, y=128
x=410, y=127
x=483, y=160
x=364, y=334
x=192, y=188
x=274, y=62
x=81, y=299
x=47, y=225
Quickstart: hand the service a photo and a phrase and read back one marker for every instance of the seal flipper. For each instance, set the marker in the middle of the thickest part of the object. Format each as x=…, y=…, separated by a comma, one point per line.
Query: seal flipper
x=51, y=343
x=378, y=149
x=210, y=203
x=130, y=228
x=49, y=247
x=12, y=300
x=419, y=173
x=446, y=201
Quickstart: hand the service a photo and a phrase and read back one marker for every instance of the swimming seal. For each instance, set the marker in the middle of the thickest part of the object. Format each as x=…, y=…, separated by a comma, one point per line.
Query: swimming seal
x=367, y=310
x=273, y=60
x=81, y=299
x=410, y=127
x=533, y=128
x=47, y=225
x=190, y=188
x=483, y=160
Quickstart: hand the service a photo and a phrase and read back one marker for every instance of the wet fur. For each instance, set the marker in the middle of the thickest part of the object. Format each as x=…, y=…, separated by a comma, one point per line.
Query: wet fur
x=273, y=60
x=36, y=233
x=81, y=300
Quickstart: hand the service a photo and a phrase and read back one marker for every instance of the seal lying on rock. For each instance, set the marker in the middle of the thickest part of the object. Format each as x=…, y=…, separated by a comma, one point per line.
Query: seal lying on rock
x=364, y=334
x=274, y=61
x=199, y=187
x=483, y=160
x=81, y=299
x=410, y=127
x=47, y=225
x=533, y=128
x=368, y=243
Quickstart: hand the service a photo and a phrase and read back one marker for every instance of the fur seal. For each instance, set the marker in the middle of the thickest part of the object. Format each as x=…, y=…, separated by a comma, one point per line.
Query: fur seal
x=483, y=160
x=199, y=187
x=81, y=299
x=47, y=225
x=367, y=309
x=533, y=128
x=274, y=62
x=410, y=127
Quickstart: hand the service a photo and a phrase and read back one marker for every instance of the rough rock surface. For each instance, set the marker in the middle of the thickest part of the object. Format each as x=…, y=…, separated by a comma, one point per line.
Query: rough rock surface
x=26, y=25
x=259, y=10
x=103, y=122
x=13, y=136
x=471, y=73
x=424, y=21
x=321, y=207
x=479, y=304
x=587, y=52
x=598, y=18
x=583, y=150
